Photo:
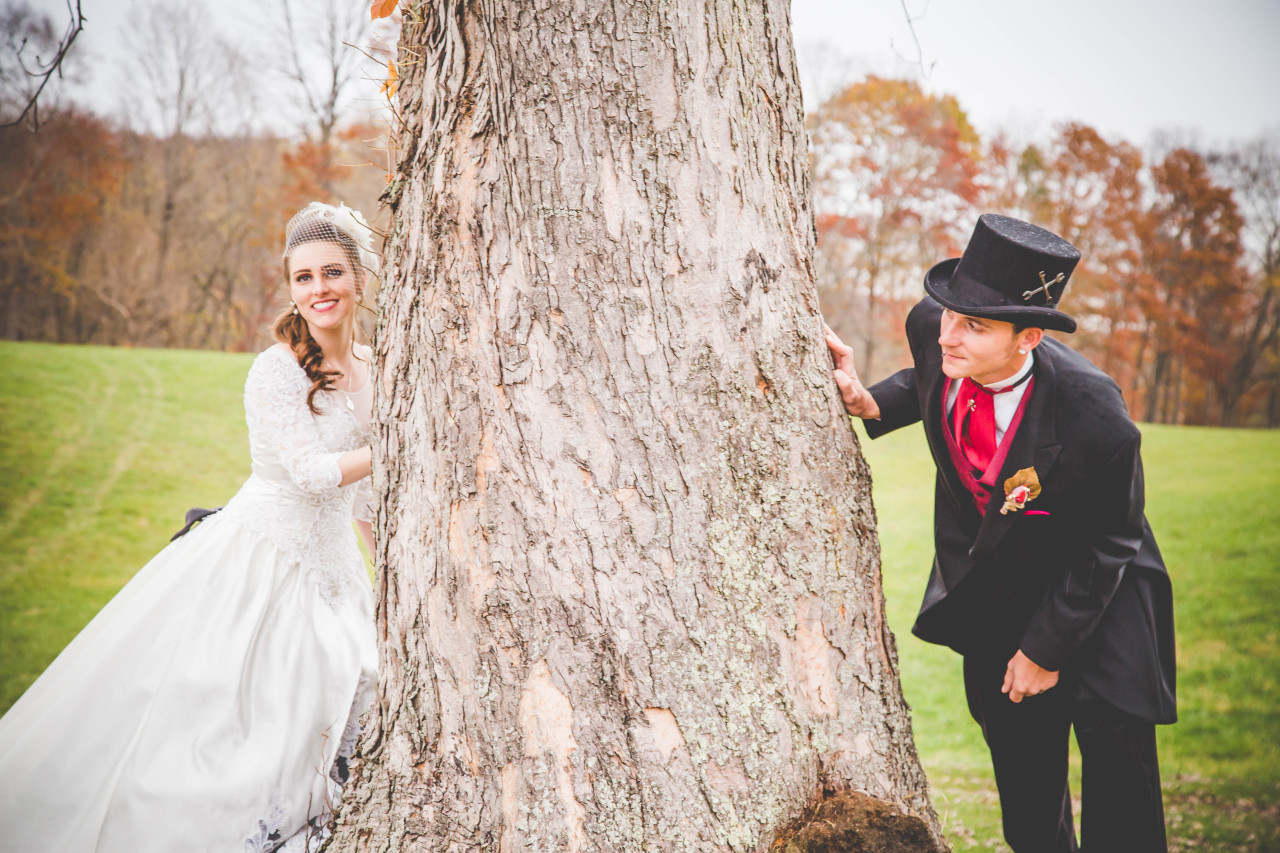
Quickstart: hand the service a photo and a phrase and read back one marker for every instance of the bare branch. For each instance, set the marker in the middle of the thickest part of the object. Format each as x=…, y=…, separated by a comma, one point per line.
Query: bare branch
x=44, y=71
x=925, y=71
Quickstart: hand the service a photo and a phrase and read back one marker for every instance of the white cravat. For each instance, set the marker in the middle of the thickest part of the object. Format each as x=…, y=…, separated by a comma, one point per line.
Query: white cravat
x=1005, y=405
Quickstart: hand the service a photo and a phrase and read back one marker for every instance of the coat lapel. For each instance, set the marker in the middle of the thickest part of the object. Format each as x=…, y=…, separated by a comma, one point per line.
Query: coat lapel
x=1035, y=445
x=933, y=426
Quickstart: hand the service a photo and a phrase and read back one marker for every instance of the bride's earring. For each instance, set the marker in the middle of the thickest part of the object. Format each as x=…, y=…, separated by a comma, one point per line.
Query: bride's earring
x=295, y=307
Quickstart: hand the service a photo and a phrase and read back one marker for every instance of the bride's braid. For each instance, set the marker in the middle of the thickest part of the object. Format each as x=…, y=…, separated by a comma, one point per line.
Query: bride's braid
x=290, y=328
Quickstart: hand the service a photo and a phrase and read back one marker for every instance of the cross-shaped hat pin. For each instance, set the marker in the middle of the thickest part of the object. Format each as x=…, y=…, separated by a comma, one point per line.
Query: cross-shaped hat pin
x=1058, y=279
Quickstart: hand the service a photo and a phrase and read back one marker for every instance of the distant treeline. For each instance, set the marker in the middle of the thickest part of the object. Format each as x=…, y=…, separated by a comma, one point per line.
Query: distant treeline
x=165, y=230
x=163, y=226
x=111, y=236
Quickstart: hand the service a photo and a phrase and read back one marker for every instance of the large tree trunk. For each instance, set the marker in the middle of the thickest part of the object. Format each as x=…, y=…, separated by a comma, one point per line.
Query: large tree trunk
x=629, y=592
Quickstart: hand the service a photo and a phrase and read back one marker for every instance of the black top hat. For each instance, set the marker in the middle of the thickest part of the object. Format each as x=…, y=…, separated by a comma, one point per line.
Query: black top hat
x=1012, y=271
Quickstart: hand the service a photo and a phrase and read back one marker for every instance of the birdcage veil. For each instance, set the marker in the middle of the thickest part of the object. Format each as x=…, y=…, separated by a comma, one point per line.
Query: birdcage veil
x=324, y=223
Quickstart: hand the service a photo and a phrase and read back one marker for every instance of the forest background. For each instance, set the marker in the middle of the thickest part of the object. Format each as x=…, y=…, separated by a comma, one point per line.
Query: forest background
x=155, y=219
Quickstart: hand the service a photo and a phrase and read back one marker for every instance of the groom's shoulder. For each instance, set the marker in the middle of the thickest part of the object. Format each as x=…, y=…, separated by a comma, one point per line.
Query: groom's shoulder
x=1088, y=400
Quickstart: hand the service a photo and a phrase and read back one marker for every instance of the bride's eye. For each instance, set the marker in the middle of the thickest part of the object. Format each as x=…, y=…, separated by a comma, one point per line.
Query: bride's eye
x=334, y=272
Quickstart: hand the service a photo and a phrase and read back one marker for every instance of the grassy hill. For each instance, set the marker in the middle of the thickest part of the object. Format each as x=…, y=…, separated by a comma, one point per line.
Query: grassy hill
x=103, y=450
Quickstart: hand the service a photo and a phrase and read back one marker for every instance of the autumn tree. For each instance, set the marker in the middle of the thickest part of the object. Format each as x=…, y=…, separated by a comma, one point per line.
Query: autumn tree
x=321, y=52
x=52, y=189
x=894, y=183
x=56, y=185
x=182, y=83
x=1252, y=170
x=628, y=589
x=1193, y=299
x=1090, y=191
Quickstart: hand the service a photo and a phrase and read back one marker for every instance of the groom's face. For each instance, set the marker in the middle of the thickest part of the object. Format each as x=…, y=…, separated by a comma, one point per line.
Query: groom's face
x=984, y=350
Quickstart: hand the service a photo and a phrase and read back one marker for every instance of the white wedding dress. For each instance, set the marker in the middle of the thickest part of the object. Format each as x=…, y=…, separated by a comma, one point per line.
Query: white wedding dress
x=206, y=707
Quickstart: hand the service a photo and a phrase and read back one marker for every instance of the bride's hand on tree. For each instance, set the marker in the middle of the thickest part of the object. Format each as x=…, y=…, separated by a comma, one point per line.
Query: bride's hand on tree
x=856, y=398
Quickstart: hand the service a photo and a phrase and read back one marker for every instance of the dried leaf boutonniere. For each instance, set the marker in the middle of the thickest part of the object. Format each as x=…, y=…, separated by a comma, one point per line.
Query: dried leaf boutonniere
x=1022, y=487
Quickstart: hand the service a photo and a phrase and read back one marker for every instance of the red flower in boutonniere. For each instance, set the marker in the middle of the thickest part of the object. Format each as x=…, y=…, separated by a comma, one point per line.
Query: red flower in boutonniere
x=1020, y=489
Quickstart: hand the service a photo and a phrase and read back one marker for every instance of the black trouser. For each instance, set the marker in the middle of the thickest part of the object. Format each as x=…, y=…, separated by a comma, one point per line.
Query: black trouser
x=1121, y=808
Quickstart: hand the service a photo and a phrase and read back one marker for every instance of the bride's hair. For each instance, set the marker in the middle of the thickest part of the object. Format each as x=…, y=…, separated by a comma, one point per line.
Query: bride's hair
x=290, y=328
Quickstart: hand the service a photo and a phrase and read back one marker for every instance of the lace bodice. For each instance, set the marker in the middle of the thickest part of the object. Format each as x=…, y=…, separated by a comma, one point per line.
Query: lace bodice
x=294, y=497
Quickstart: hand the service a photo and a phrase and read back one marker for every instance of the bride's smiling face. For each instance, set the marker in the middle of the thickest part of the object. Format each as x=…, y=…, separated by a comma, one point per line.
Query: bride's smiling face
x=323, y=283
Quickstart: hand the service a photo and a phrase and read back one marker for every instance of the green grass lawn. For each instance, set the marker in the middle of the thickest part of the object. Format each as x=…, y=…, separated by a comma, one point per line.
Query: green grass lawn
x=103, y=450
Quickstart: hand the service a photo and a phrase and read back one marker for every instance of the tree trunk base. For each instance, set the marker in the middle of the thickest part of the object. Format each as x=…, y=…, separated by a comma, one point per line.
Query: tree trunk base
x=850, y=822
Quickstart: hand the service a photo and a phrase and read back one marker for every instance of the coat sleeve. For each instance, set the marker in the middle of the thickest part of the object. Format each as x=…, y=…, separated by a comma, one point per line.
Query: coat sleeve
x=899, y=402
x=899, y=396
x=1072, y=608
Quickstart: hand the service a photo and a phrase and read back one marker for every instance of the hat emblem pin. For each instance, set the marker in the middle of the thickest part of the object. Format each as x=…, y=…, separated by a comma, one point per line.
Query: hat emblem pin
x=1045, y=285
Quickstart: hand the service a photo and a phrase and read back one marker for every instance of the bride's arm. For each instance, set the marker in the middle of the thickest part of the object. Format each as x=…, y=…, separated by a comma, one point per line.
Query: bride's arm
x=355, y=465
x=283, y=430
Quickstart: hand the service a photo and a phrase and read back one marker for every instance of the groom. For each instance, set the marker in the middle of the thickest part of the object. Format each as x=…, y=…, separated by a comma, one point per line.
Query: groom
x=1046, y=576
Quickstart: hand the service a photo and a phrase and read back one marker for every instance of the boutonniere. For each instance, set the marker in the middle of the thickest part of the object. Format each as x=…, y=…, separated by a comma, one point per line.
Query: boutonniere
x=1019, y=489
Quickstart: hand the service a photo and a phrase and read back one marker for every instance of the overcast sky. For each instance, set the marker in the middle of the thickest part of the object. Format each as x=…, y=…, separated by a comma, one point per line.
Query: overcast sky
x=1209, y=71
x=1127, y=67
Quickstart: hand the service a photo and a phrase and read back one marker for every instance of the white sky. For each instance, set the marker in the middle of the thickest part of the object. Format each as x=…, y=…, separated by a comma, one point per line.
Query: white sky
x=1209, y=69
x=1206, y=69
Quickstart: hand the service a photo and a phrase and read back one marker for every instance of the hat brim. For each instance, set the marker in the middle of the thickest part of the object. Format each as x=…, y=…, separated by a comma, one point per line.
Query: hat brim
x=937, y=283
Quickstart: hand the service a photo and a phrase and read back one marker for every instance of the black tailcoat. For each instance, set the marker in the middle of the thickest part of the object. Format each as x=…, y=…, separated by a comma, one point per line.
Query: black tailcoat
x=1081, y=589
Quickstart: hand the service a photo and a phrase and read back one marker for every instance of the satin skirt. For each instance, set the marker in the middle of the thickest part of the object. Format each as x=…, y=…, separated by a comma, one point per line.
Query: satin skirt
x=202, y=709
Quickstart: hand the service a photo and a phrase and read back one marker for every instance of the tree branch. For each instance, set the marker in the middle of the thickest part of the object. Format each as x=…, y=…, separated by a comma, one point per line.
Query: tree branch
x=45, y=71
x=925, y=71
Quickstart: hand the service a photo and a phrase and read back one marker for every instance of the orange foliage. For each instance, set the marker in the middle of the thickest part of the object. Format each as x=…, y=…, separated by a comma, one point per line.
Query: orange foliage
x=311, y=170
x=56, y=186
x=895, y=178
x=392, y=83
x=1195, y=294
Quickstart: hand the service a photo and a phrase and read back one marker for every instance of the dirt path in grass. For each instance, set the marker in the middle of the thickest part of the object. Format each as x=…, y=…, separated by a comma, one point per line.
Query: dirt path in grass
x=69, y=444
x=146, y=392
x=147, y=406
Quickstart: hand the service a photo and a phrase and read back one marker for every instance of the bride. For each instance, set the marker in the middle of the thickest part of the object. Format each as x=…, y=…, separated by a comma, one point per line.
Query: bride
x=213, y=703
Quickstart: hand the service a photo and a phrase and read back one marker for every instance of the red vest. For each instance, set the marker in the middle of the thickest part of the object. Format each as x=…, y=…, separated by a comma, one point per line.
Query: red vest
x=980, y=486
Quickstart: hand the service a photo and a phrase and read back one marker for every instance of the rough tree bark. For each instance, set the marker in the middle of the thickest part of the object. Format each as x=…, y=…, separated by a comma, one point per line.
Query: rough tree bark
x=629, y=592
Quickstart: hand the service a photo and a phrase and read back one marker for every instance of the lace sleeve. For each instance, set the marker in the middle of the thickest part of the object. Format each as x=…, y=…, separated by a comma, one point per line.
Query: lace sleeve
x=363, y=508
x=281, y=425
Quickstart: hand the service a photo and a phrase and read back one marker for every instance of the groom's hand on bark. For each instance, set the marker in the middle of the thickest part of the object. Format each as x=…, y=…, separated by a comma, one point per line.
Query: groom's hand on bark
x=857, y=400
x=1024, y=677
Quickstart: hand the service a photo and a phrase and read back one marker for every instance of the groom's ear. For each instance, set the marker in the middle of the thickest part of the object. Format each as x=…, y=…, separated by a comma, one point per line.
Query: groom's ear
x=1028, y=338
